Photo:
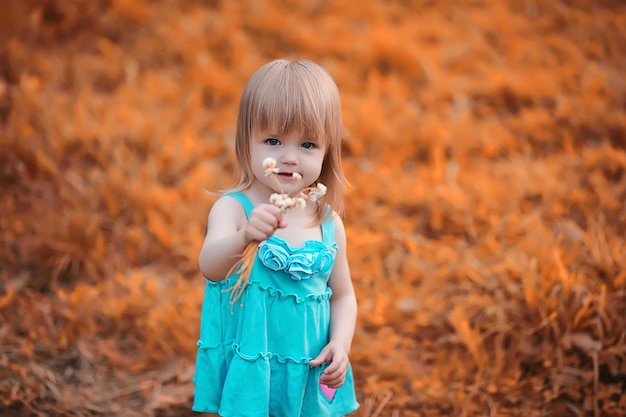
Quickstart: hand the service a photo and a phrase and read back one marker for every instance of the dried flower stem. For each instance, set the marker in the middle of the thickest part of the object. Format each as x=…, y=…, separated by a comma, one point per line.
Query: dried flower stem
x=243, y=267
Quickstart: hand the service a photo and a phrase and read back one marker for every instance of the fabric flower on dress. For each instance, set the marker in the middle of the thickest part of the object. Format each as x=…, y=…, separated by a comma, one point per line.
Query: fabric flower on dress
x=303, y=266
x=298, y=265
x=273, y=256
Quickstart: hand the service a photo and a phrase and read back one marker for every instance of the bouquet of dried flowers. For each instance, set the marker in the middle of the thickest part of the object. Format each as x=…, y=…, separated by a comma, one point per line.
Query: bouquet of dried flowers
x=285, y=202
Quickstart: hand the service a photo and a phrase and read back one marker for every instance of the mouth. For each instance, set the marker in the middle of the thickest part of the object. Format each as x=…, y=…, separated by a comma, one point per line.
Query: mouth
x=287, y=175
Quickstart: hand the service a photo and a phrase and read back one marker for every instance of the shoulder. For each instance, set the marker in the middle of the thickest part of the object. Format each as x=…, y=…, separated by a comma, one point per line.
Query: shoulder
x=340, y=232
x=227, y=207
x=226, y=200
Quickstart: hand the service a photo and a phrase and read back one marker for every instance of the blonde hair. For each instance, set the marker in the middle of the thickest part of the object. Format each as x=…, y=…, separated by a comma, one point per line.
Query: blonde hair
x=294, y=96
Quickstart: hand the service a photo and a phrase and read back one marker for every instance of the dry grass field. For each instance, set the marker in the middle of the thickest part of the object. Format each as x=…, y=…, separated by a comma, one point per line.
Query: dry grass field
x=485, y=142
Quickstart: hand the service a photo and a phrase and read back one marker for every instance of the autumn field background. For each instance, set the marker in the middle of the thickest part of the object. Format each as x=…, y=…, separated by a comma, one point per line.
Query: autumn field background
x=485, y=142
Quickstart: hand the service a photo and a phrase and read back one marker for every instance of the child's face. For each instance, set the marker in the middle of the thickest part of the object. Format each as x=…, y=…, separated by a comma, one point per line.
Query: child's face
x=293, y=152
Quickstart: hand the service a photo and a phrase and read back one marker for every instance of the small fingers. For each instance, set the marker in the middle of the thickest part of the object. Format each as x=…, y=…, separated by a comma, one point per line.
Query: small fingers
x=264, y=221
x=334, y=367
x=321, y=358
x=259, y=232
x=334, y=382
x=335, y=375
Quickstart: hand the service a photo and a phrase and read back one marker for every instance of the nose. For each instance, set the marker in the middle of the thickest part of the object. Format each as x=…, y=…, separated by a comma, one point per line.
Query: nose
x=289, y=156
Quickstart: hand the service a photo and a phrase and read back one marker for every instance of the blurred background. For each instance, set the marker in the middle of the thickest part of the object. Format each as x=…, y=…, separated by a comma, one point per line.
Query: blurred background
x=485, y=142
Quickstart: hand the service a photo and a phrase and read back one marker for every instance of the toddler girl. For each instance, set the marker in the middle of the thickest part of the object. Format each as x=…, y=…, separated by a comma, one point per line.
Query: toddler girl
x=280, y=348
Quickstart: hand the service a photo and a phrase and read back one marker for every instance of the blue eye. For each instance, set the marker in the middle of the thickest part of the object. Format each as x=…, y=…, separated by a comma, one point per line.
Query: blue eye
x=308, y=145
x=272, y=141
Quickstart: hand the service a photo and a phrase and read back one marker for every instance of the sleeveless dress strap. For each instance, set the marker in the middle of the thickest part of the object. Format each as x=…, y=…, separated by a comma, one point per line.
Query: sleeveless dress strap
x=245, y=202
x=328, y=228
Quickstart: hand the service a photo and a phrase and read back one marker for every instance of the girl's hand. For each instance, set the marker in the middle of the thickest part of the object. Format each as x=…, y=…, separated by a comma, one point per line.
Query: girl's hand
x=264, y=220
x=335, y=375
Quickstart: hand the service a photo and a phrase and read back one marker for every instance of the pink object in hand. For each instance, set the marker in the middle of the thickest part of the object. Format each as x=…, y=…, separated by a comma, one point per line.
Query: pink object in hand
x=328, y=392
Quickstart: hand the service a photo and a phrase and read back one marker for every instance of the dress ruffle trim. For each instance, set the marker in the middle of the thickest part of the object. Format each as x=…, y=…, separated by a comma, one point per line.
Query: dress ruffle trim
x=226, y=286
x=234, y=348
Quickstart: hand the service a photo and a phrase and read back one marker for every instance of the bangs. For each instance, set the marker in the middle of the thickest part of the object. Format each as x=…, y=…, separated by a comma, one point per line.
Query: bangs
x=295, y=99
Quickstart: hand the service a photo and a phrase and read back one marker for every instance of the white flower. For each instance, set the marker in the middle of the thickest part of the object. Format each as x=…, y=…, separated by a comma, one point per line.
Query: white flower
x=317, y=193
x=296, y=176
x=283, y=201
x=275, y=198
x=270, y=166
x=300, y=203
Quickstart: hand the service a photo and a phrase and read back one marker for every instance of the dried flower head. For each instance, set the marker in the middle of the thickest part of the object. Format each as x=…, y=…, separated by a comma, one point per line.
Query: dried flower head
x=300, y=203
x=270, y=166
x=284, y=202
x=318, y=192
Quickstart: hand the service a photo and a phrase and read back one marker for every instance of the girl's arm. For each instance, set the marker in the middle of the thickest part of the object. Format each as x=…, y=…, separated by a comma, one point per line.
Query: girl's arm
x=228, y=234
x=343, y=313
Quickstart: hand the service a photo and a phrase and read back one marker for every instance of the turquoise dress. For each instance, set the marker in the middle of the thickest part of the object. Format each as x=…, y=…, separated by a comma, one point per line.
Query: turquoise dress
x=253, y=356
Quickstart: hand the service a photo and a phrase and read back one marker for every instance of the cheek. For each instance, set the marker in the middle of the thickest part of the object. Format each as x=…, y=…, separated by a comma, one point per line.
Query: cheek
x=324, y=161
x=320, y=167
